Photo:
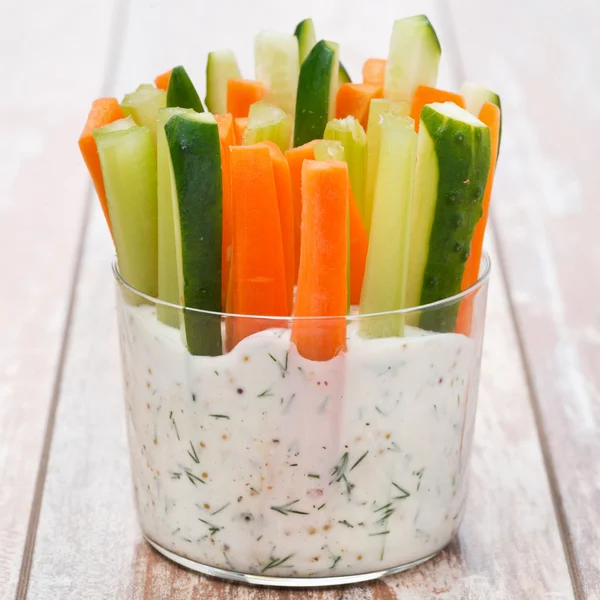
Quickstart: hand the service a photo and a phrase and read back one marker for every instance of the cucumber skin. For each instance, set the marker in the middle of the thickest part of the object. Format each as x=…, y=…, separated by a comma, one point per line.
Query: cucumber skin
x=343, y=75
x=312, y=104
x=181, y=92
x=305, y=34
x=196, y=158
x=457, y=210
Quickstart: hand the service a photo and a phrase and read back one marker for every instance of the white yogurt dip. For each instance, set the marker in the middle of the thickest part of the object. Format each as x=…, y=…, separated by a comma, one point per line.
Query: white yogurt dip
x=263, y=462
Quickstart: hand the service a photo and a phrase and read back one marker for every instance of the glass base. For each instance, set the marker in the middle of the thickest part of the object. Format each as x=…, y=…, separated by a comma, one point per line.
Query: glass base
x=295, y=582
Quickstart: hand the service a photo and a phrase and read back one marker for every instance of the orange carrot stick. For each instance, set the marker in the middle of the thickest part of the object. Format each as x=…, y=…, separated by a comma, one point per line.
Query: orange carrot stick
x=322, y=281
x=103, y=112
x=283, y=186
x=490, y=115
x=427, y=95
x=227, y=138
x=162, y=81
x=241, y=94
x=373, y=70
x=359, y=244
x=295, y=158
x=239, y=125
x=259, y=286
x=354, y=99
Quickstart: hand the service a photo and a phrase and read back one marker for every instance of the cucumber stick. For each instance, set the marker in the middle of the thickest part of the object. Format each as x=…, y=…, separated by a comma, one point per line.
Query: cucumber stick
x=221, y=66
x=413, y=58
x=195, y=150
x=277, y=66
x=143, y=105
x=168, y=286
x=453, y=161
x=181, y=91
x=354, y=139
x=475, y=96
x=386, y=271
x=377, y=107
x=317, y=88
x=128, y=162
x=267, y=122
x=307, y=38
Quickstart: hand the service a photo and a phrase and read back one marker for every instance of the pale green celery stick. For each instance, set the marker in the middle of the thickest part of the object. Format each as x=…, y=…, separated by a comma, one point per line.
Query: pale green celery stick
x=413, y=58
x=267, y=122
x=326, y=150
x=128, y=162
x=221, y=66
x=354, y=139
x=276, y=61
x=377, y=107
x=143, y=105
x=384, y=287
x=168, y=287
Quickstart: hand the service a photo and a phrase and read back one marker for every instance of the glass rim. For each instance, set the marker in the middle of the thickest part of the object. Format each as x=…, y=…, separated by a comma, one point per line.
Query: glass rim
x=484, y=273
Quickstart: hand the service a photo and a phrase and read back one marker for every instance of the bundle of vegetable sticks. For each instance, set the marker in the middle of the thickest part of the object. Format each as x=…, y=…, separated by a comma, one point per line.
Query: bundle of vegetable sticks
x=300, y=193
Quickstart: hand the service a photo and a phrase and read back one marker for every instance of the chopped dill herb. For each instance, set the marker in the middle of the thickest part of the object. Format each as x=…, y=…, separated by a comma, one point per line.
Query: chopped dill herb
x=176, y=531
x=255, y=491
x=215, y=416
x=314, y=476
x=264, y=394
x=216, y=512
x=344, y=522
x=339, y=470
x=384, y=507
x=323, y=405
x=359, y=461
x=285, y=509
x=216, y=373
x=193, y=397
x=404, y=493
x=282, y=367
x=276, y=562
x=379, y=533
x=193, y=454
x=193, y=478
x=175, y=475
x=322, y=505
x=294, y=465
x=260, y=537
x=212, y=529
x=386, y=515
x=336, y=560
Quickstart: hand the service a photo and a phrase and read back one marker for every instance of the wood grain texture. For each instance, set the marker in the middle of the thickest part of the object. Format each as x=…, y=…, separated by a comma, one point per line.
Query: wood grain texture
x=546, y=213
x=43, y=105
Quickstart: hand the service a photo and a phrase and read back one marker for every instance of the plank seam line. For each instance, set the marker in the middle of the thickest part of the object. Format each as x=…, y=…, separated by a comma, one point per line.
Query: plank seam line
x=116, y=38
x=559, y=510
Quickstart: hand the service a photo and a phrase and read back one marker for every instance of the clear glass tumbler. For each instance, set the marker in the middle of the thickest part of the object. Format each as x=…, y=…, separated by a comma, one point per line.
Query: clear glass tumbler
x=253, y=463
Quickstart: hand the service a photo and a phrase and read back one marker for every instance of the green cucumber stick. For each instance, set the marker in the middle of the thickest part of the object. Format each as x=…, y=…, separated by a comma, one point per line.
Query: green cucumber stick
x=168, y=287
x=143, y=105
x=354, y=139
x=195, y=150
x=128, y=162
x=181, y=91
x=386, y=271
x=267, y=122
x=377, y=107
x=221, y=66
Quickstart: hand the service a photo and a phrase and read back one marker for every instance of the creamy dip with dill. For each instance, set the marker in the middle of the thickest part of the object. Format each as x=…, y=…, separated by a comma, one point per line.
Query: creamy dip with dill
x=263, y=462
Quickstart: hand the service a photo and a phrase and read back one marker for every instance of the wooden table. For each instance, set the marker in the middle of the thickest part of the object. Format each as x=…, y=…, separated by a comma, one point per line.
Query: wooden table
x=67, y=524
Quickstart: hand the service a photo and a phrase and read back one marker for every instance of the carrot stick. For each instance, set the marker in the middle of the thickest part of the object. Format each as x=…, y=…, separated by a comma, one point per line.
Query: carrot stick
x=295, y=158
x=373, y=70
x=283, y=187
x=322, y=280
x=162, y=81
x=239, y=126
x=359, y=244
x=490, y=115
x=259, y=286
x=354, y=99
x=241, y=94
x=227, y=138
x=103, y=112
x=428, y=95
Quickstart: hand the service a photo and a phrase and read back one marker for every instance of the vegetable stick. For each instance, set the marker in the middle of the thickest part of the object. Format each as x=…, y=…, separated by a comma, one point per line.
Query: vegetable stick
x=227, y=139
x=295, y=158
x=386, y=272
x=241, y=94
x=103, y=112
x=239, y=127
x=428, y=95
x=267, y=122
x=181, y=91
x=354, y=99
x=143, y=105
x=221, y=66
x=373, y=71
x=283, y=187
x=259, y=285
x=162, y=81
x=322, y=281
x=490, y=115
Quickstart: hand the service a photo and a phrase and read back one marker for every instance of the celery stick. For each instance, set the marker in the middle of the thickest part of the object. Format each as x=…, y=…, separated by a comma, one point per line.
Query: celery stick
x=267, y=122
x=328, y=150
x=143, y=105
x=168, y=287
x=377, y=107
x=277, y=62
x=128, y=162
x=385, y=283
x=354, y=139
